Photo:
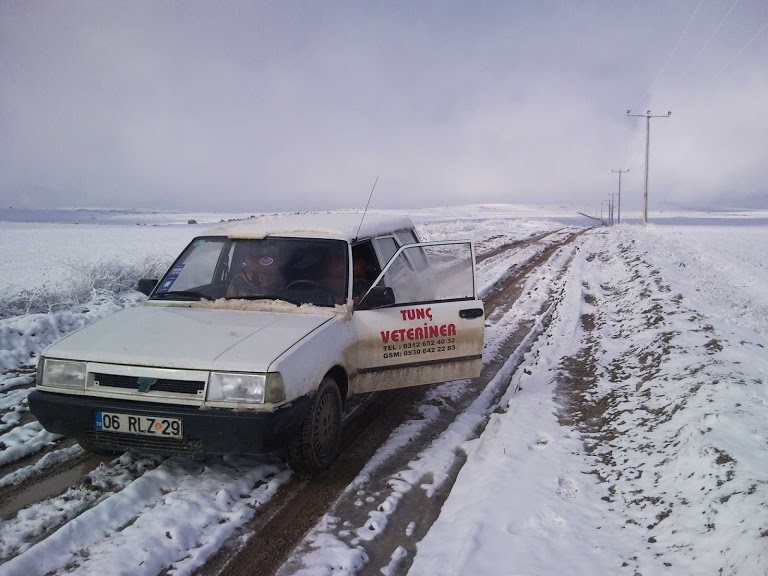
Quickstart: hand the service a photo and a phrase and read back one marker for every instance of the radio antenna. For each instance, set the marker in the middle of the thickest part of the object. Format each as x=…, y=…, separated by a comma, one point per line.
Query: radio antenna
x=366, y=209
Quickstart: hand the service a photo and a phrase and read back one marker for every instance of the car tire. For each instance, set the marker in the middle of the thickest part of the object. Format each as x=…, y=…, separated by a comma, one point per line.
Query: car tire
x=315, y=445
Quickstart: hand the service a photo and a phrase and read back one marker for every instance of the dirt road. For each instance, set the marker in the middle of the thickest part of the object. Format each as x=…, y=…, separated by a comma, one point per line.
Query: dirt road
x=372, y=461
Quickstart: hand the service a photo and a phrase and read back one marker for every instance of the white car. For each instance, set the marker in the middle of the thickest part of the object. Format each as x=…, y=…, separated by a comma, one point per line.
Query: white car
x=259, y=333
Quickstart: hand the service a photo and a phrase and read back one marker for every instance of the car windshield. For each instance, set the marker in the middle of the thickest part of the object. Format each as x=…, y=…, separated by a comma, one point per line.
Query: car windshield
x=297, y=270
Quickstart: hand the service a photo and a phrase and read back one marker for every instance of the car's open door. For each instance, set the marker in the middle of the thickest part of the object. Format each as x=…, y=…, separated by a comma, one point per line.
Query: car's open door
x=421, y=322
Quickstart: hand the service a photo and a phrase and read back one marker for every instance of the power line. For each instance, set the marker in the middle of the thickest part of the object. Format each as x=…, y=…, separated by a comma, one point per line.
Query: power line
x=724, y=68
x=709, y=40
x=674, y=49
x=671, y=54
x=688, y=69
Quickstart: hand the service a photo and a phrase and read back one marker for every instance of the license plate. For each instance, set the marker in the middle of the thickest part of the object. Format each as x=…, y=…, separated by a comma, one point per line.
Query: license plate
x=145, y=425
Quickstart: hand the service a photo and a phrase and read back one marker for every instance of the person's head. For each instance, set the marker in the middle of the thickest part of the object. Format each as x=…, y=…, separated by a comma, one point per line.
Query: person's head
x=250, y=264
x=267, y=268
x=264, y=263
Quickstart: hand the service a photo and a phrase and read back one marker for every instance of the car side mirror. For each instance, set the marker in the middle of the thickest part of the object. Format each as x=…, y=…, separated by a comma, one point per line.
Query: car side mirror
x=377, y=297
x=146, y=285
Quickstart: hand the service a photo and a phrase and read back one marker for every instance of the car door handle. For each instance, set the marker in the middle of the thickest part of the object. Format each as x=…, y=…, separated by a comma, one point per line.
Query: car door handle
x=471, y=313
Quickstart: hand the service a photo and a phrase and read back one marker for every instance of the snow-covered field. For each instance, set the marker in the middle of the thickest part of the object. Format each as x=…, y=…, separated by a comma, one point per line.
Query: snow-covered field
x=638, y=441
x=61, y=245
x=633, y=438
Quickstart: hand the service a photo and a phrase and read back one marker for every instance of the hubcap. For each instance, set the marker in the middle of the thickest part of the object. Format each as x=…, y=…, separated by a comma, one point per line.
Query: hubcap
x=324, y=431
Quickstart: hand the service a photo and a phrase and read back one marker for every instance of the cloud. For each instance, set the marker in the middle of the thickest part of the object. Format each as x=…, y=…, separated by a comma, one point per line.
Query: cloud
x=290, y=106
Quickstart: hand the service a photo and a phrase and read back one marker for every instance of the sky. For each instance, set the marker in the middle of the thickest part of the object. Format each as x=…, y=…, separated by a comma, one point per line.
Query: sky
x=273, y=106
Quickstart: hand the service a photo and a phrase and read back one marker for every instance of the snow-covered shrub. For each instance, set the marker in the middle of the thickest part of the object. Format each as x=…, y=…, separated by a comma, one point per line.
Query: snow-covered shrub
x=33, y=319
x=85, y=283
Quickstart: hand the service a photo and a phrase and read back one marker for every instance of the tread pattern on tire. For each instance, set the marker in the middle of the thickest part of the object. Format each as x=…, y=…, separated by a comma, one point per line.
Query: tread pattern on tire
x=299, y=451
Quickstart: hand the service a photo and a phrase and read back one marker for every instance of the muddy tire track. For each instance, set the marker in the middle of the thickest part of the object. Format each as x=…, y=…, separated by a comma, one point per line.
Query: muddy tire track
x=284, y=522
x=281, y=523
x=515, y=244
x=630, y=404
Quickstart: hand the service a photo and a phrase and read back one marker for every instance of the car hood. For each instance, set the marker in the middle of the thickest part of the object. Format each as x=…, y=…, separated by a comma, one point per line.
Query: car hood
x=188, y=338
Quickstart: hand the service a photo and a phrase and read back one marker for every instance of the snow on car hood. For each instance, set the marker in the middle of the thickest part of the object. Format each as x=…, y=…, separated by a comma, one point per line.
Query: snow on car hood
x=188, y=338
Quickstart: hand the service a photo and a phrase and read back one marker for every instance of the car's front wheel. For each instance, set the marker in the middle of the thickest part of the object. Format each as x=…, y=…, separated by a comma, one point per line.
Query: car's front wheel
x=316, y=444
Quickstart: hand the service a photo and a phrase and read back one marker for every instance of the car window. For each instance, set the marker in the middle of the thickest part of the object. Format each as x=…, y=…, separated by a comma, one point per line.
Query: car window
x=448, y=276
x=416, y=257
x=299, y=270
x=387, y=248
x=406, y=237
x=194, y=268
x=365, y=269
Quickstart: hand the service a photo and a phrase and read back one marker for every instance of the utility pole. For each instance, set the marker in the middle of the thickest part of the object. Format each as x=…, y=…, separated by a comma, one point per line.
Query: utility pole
x=647, y=117
x=603, y=203
x=619, y=172
x=610, y=209
x=612, y=206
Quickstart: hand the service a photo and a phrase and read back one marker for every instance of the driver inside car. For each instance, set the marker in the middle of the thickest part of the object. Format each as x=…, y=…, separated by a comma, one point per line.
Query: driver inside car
x=260, y=276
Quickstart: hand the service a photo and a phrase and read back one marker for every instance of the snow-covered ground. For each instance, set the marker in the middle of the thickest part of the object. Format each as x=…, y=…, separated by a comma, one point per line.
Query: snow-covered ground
x=38, y=255
x=633, y=438
x=63, y=244
x=638, y=442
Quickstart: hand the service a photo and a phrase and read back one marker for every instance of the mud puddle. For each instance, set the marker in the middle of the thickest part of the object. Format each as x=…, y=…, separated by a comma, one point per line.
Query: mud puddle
x=50, y=485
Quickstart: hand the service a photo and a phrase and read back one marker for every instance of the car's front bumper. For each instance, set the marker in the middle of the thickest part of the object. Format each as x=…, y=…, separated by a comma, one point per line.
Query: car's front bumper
x=205, y=431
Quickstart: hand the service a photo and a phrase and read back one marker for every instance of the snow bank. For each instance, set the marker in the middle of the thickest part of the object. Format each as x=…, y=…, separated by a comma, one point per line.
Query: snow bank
x=23, y=338
x=638, y=440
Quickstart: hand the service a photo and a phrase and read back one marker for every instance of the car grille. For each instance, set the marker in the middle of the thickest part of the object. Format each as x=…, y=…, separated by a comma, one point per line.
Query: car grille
x=162, y=384
x=115, y=441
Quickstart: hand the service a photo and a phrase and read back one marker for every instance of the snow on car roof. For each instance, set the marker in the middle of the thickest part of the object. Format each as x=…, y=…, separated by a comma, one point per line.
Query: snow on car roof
x=340, y=225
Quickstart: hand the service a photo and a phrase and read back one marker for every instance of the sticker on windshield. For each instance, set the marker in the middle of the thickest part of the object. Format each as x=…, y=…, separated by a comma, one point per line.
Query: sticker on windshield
x=197, y=243
x=166, y=285
x=178, y=268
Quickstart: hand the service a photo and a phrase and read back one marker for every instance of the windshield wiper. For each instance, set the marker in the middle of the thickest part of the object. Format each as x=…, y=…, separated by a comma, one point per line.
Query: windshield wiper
x=182, y=295
x=265, y=297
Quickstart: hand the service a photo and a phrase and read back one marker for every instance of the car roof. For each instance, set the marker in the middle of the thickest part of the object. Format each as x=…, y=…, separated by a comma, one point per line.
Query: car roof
x=338, y=226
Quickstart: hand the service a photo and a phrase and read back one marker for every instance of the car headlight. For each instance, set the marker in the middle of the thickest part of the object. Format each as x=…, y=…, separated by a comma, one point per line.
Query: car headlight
x=63, y=374
x=252, y=388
